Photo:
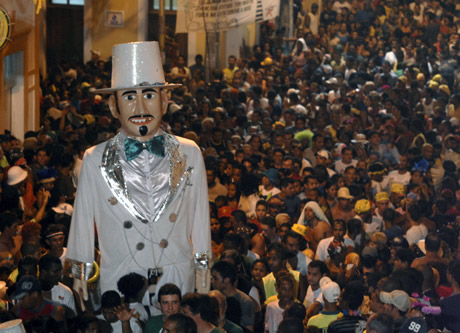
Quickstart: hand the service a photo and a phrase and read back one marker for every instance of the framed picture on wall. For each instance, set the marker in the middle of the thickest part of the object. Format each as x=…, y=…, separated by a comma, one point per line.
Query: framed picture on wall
x=114, y=19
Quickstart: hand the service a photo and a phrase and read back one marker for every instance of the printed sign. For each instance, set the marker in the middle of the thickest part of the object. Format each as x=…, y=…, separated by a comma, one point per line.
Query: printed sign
x=221, y=15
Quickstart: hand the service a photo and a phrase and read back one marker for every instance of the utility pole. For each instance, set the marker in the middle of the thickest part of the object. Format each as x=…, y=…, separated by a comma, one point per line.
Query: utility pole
x=162, y=30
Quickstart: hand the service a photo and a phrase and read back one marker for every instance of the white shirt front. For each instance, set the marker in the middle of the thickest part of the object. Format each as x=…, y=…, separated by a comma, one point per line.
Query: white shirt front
x=340, y=167
x=416, y=233
x=302, y=263
x=117, y=327
x=321, y=251
x=312, y=297
x=62, y=294
x=273, y=316
x=395, y=177
x=375, y=225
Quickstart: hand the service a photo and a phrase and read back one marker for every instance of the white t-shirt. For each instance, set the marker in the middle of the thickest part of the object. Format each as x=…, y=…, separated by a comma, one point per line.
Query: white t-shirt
x=395, y=177
x=312, y=297
x=248, y=204
x=63, y=256
x=263, y=193
x=321, y=251
x=314, y=23
x=117, y=327
x=139, y=309
x=416, y=233
x=62, y=294
x=302, y=263
x=252, y=255
x=254, y=293
x=340, y=167
x=337, y=6
x=273, y=317
x=374, y=226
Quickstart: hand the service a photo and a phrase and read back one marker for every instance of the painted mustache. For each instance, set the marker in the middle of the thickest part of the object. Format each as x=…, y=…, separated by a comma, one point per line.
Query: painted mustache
x=141, y=119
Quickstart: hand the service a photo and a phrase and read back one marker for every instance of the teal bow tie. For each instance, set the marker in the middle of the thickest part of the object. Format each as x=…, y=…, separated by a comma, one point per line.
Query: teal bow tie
x=134, y=147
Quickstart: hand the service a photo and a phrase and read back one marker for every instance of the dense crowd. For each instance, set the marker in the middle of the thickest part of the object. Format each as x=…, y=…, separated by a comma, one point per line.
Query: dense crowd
x=332, y=160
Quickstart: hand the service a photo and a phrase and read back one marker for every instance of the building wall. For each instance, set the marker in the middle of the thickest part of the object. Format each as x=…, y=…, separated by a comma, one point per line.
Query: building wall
x=102, y=37
x=19, y=99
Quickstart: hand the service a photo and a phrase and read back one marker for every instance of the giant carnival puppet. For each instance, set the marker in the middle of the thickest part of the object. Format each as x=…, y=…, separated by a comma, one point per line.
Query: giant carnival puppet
x=145, y=190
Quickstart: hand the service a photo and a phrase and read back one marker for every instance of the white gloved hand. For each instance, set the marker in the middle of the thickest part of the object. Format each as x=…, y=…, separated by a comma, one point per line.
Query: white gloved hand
x=81, y=289
x=202, y=280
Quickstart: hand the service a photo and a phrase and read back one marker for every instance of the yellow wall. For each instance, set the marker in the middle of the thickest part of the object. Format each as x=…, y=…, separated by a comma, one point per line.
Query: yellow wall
x=103, y=37
x=23, y=114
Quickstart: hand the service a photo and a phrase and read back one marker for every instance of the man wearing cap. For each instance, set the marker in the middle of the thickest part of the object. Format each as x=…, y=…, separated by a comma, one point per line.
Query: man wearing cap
x=14, y=189
x=268, y=188
x=144, y=189
x=323, y=157
x=31, y=304
x=371, y=223
x=343, y=210
x=396, y=304
x=382, y=201
x=330, y=312
x=397, y=194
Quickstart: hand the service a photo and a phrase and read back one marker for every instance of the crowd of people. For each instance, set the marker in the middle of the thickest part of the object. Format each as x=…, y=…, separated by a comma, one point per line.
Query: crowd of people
x=332, y=160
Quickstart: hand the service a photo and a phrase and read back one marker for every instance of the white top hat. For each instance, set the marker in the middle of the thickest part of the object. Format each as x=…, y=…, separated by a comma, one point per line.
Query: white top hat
x=136, y=65
x=12, y=326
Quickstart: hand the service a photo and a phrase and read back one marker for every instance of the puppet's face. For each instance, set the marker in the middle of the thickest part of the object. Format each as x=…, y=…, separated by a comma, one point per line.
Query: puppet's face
x=139, y=111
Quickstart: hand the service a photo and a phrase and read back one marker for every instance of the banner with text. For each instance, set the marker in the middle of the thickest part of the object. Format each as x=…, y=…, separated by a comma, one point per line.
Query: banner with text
x=221, y=15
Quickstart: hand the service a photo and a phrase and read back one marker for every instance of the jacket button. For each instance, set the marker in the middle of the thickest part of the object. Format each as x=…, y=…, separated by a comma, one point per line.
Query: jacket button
x=163, y=243
x=173, y=217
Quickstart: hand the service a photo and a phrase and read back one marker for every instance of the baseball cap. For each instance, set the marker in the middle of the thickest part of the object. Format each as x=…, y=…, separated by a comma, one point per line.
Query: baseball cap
x=360, y=138
x=46, y=175
x=370, y=251
x=397, y=188
x=444, y=88
x=437, y=78
x=398, y=298
x=362, y=206
x=27, y=285
x=267, y=61
x=224, y=211
x=272, y=175
x=344, y=193
x=332, y=80
x=381, y=196
x=300, y=229
x=63, y=208
x=324, y=280
x=16, y=175
x=331, y=292
x=323, y=153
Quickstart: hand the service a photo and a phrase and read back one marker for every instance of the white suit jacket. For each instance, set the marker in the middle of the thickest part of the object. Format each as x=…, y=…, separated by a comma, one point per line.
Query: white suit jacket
x=128, y=241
